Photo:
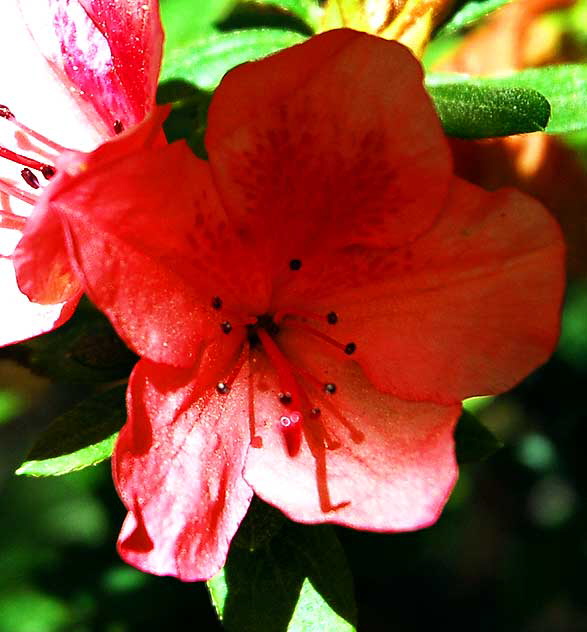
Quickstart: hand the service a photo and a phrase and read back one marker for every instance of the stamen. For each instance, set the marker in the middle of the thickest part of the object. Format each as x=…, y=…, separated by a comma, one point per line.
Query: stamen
x=332, y=318
x=48, y=171
x=226, y=327
x=281, y=314
x=256, y=440
x=30, y=178
x=118, y=127
x=330, y=388
x=284, y=398
x=292, y=429
x=222, y=388
x=6, y=113
x=216, y=303
x=349, y=348
x=26, y=161
x=11, y=221
x=17, y=193
x=295, y=264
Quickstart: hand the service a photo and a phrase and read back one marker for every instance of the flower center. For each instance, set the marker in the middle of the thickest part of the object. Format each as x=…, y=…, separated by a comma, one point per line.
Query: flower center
x=262, y=333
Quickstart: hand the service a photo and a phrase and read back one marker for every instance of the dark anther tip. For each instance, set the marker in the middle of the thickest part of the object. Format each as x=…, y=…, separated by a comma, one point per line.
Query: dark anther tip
x=284, y=398
x=332, y=318
x=226, y=327
x=222, y=388
x=350, y=348
x=30, y=178
x=216, y=303
x=295, y=264
x=330, y=388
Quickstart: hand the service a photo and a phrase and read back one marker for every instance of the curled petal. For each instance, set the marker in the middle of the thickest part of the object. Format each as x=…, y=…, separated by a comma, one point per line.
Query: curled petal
x=21, y=319
x=177, y=467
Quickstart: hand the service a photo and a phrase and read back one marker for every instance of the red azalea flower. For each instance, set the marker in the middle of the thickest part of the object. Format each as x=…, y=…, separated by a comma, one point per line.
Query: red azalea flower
x=78, y=72
x=310, y=305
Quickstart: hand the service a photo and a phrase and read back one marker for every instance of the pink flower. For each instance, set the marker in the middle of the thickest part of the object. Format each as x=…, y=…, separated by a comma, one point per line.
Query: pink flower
x=76, y=73
x=311, y=304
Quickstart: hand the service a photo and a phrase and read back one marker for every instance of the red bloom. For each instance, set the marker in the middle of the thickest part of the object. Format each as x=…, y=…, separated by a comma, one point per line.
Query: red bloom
x=310, y=305
x=80, y=71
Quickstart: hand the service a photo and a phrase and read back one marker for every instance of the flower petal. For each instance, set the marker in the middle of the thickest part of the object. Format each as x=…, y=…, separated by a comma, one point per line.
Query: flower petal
x=469, y=308
x=40, y=259
x=19, y=318
x=395, y=466
x=154, y=248
x=33, y=93
x=107, y=51
x=178, y=468
x=334, y=141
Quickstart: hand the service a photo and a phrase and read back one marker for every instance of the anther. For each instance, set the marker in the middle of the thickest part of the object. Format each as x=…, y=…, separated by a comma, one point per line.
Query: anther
x=216, y=303
x=6, y=113
x=350, y=348
x=30, y=178
x=226, y=327
x=48, y=171
x=315, y=412
x=330, y=388
x=222, y=388
x=295, y=264
x=332, y=318
x=118, y=127
x=284, y=398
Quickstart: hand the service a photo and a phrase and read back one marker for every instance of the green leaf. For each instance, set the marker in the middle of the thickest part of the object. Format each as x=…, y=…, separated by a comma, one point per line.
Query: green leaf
x=208, y=59
x=297, y=582
x=470, y=13
x=307, y=10
x=82, y=436
x=469, y=110
x=189, y=114
x=474, y=442
x=182, y=19
x=565, y=87
x=84, y=350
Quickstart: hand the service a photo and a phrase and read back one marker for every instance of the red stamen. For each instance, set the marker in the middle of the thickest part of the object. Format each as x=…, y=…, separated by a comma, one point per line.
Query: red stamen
x=256, y=441
x=281, y=314
x=294, y=324
x=292, y=424
x=17, y=193
x=26, y=161
x=291, y=429
x=11, y=221
x=6, y=113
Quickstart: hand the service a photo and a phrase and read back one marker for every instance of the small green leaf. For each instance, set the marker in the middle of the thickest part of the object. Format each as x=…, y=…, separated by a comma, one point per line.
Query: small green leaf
x=297, y=582
x=189, y=114
x=469, y=110
x=474, y=442
x=82, y=436
x=208, y=59
x=565, y=87
x=307, y=10
x=470, y=13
